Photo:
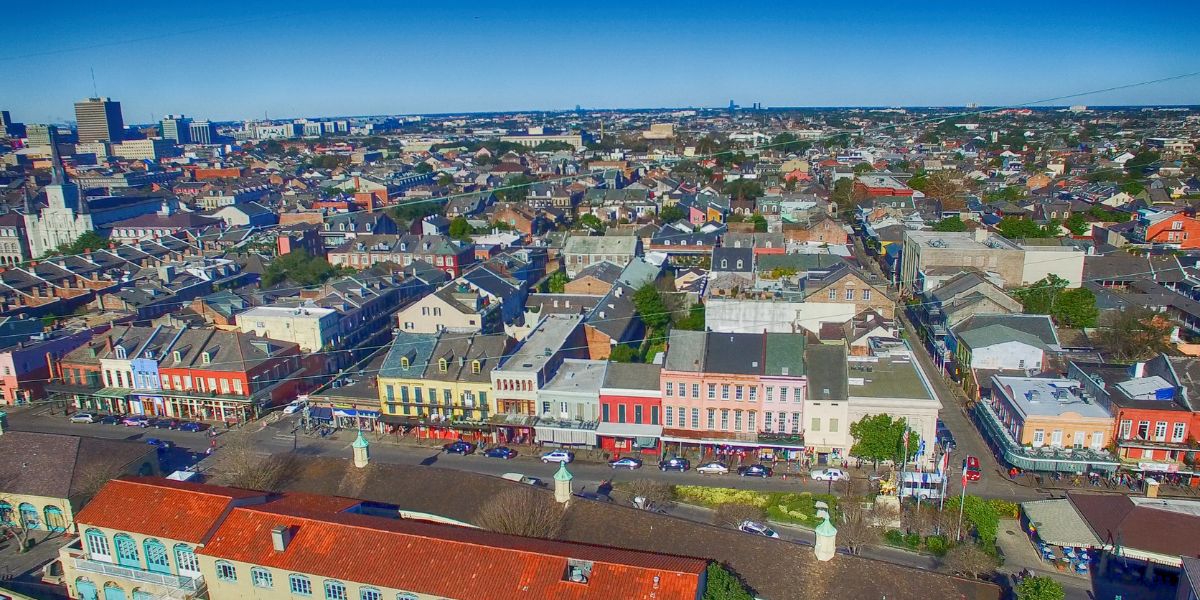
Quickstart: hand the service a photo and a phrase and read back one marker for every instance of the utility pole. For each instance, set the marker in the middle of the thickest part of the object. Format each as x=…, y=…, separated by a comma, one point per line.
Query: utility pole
x=962, y=502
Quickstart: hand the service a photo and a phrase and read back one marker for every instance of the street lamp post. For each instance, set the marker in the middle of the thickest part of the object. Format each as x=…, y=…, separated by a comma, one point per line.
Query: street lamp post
x=962, y=502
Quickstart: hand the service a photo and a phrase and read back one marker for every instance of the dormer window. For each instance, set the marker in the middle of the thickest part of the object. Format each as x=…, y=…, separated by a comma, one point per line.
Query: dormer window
x=119, y=351
x=177, y=355
x=475, y=367
x=442, y=365
x=404, y=362
x=206, y=357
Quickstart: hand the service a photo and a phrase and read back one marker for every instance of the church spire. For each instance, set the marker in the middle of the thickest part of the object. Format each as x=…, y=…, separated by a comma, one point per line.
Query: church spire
x=57, y=175
x=28, y=199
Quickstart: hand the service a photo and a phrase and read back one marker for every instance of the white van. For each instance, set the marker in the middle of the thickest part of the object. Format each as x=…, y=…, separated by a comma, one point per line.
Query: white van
x=923, y=485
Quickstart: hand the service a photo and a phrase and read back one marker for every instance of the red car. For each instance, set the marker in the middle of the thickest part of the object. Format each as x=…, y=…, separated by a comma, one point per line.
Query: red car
x=971, y=468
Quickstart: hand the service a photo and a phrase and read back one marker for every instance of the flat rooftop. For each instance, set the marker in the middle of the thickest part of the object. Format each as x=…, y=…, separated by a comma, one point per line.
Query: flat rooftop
x=578, y=375
x=1035, y=396
x=286, y=311
x=887, y=377
x=959, y=241
x=543, y=343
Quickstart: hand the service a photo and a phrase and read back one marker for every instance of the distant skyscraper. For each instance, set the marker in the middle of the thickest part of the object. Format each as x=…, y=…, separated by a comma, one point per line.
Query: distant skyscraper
x=99, y=119
x=203, y=132
x=177, y=128
x=41, y=135
x=5, y=119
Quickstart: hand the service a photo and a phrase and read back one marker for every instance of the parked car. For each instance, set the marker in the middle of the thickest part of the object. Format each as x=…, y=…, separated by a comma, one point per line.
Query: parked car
x=163, y=423
x=192, y=426
x=626, y=462
x=712, y=468
x=755, y=471
x=459, y=447
x=559, y=456
x=83, y=418
x=757, y=529
x=972, y=469
x=519, y=478
x=109, y=420
x=294, y=406
x=135, y=421
x=500, y=452
x=676, y=463
x=945, y=439
x=829, y=475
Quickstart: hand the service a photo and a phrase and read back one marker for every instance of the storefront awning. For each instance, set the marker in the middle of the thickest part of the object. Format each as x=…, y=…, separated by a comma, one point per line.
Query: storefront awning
x=112, y=392
x=564, y=435
x=320, y=413
x=1066, y=460
x=1058, y=523
x=629, y=430
x=356, y=412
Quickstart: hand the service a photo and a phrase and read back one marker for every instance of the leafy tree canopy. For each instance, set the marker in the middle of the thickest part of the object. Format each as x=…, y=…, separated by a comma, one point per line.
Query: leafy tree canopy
x=650, y=307
x=949, y=225
x=460, y=229
x=1040, y=588
x=724, y=585
x=670, y=214
x=300, y=267
x=881, y=438
x=1068, y=307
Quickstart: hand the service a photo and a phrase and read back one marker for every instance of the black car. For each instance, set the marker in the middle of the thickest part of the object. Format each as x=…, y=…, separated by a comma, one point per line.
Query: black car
x=110, y=420
x=159, y=423
x=459, y=447
x=674, y=464
x=755, y=471
x=500, y=452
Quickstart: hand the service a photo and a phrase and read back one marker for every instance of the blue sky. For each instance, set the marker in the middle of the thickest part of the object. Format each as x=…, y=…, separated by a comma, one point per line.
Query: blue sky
x=233, y=60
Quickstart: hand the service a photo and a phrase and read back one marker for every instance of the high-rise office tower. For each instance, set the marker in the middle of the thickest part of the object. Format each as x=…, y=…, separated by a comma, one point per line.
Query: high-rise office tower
x=203, y=132
x=41, y=135
x=5, y=119
x=177, y=128
x=99, y=119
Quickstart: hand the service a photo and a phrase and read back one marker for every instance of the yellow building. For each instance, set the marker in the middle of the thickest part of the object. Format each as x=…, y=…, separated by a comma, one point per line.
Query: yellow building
x=440, y=384
x=49, y=477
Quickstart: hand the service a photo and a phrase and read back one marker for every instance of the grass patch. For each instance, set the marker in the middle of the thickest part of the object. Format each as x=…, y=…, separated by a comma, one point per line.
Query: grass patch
x=785, y=507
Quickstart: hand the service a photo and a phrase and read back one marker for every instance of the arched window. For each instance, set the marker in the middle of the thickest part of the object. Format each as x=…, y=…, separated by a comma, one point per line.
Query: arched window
x=185, y=561
x=406, y=596
x=226, y=571
x=404, y=362
x=739, y=263
x=335, y=590
x=300, y=585
x=260, y=577
x=54, y=518
x=724, y=263
x=127, y=551
x=156, y=556
x=97, y=544
x=86, y=590
x=113, y=591
x=369, y=594
x=29, y=516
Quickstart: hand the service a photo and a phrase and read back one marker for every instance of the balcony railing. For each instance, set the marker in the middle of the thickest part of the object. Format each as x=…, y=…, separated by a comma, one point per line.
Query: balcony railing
x=191, y=585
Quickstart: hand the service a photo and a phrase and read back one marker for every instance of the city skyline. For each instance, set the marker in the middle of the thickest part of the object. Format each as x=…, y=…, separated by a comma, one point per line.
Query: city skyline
x=355, y=61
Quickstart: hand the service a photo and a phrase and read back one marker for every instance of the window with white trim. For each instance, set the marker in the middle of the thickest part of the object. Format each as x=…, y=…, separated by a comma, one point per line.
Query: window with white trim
x=1177, y=432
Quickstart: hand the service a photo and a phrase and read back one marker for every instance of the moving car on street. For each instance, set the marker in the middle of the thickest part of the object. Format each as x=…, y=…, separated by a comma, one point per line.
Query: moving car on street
x=757, y=529
x=459, y=447
x=712, y=468
x=676, y=463
x=626, y=462
x=192, y=426
x=972, y=469
x=135, y=421
x=755, y=471
x=500, y=452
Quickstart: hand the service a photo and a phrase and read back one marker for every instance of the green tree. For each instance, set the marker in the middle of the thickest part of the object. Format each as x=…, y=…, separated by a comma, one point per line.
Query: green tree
x=592, y=222
x=515, y=188
x=950, y=224
x=760, y=222
x=843, y=193
x=445, y=179
x=651, y=308
x=743, y=189
x=670, y=214
x=980, y=515
x=1108, y=216
x=551, y=146
x=1068, y=307
x=863, y=167
x=623, y=353
x=881, y=438
x=1142, y=163
x=1133, y=188
x=556, y=283
x=300, y=267
x=918, y=180
x=695, y=319
x=1018, y=228
x=1040, y=588
x=1077, y=224
x=1006, y=194
x=422, y=168
x=88, y=240
x=721, y=584
x=460, y=229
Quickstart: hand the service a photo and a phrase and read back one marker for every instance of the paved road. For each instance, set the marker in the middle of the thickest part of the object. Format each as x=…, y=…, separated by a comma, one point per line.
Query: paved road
x=969, y=441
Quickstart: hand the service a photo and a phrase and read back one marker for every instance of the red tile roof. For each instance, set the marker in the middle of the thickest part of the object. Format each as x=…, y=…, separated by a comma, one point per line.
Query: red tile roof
x=158, y=507
x=444, y=560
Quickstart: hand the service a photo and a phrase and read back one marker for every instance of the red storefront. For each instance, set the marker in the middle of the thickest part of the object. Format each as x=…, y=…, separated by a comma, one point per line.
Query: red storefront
x=631, y=409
